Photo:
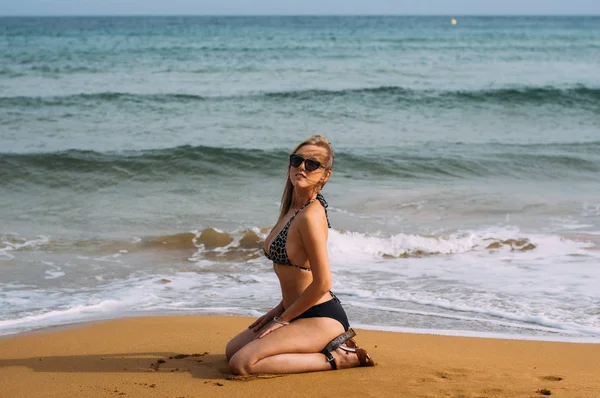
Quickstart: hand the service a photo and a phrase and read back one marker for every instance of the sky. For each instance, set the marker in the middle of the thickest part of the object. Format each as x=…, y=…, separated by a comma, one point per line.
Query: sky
x=298, y=7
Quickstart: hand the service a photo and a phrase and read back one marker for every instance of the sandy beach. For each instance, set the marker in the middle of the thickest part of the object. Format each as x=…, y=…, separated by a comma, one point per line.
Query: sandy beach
x=183, y=356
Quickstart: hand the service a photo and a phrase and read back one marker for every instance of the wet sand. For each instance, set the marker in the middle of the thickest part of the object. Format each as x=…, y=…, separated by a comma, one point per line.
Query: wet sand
x=183, y=356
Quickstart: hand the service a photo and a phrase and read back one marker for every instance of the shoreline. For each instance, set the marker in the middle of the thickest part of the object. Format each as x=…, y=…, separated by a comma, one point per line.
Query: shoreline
x=120, y=358
x=579, y=339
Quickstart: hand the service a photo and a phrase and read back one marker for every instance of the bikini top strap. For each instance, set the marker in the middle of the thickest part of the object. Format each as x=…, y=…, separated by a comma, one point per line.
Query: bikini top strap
x=321, y=199
x=300, y=209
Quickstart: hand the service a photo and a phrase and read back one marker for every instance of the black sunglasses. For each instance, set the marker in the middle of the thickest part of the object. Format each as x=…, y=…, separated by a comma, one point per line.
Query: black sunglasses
x=309, y=164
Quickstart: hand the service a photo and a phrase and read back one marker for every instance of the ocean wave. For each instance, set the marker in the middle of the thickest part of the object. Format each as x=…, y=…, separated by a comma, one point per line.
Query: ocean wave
x=95, y=98
x=244, y=245
x=572, y=96
x=12, y=242
x=465, y=278
x=10, y=73
x=577, y=96
x=84, y=169
x=491, y=316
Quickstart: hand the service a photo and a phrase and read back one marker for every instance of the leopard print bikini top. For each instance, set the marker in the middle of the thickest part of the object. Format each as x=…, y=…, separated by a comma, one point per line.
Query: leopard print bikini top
x=277, y=252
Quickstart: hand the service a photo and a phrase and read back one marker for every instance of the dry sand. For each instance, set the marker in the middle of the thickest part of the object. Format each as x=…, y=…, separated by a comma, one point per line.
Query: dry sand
x=124, y=358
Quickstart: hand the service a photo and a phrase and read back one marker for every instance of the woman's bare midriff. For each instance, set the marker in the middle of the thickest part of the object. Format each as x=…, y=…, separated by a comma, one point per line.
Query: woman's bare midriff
x=294, y=282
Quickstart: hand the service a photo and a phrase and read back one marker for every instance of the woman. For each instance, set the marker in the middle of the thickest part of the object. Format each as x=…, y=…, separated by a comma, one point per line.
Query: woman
x=308, y=330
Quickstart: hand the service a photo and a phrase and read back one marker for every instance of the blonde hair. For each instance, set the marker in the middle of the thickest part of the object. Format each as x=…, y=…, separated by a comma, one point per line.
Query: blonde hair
x=288, y=191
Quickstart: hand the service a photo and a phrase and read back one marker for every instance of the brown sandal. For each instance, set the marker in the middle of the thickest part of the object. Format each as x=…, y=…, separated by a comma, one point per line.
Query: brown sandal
x=335, y=344
x=363, y=356
x=346, y=342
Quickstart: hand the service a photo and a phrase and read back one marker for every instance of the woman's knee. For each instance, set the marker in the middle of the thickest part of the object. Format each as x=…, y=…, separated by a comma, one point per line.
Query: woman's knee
x=239, y=365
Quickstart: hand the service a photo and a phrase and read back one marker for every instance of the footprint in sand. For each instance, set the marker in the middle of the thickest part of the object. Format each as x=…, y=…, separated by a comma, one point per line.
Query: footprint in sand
x=550, y=378
x=252, y=377
x=156, y=366
x=452, y=373
x=182, y=356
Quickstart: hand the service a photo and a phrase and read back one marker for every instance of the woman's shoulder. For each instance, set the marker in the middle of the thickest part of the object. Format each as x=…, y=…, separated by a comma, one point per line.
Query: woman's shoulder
x=313, y=213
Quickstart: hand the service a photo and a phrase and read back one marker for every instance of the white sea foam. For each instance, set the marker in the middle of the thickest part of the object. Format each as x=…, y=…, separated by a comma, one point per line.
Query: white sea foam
x=62, y=315
x=354, y=247
x=454, y=316
x=14, y=242
x=53, y=274
x=449, y=282
x=499, y=317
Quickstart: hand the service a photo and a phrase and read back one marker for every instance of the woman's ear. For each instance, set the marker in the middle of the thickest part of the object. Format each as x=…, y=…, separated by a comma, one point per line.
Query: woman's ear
x=325, y=177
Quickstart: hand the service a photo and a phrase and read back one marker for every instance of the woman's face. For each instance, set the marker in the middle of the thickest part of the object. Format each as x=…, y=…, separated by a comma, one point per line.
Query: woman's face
x=300, y=177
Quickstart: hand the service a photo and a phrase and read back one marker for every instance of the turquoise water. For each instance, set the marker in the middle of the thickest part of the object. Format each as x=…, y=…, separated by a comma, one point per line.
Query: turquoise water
x=466, y=188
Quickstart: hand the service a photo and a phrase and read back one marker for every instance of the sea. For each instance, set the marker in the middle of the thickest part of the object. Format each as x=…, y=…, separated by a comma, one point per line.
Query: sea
x=142, y=161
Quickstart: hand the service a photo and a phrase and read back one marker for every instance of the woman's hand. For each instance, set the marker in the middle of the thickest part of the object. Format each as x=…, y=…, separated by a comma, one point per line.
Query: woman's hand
x=271, y=327
x=266, y=318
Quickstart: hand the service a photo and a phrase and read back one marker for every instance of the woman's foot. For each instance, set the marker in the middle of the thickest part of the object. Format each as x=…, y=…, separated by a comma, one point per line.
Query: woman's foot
x=344, y=359
x=349, y=356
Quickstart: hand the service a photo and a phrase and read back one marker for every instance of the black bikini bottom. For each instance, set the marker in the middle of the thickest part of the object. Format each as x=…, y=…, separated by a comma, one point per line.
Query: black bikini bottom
x=329, y=309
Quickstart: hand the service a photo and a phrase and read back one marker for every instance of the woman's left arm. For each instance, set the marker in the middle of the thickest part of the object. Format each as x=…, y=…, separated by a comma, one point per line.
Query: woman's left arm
x=313, y=232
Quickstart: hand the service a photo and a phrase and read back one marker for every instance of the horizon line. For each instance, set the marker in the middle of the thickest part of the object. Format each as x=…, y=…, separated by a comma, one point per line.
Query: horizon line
x=294, y=15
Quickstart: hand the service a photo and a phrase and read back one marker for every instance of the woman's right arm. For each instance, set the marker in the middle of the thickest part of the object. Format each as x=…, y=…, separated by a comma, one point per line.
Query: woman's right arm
x=268, y=317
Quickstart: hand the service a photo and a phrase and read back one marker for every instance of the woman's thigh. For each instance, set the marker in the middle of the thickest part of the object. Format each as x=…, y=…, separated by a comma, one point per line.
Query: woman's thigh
x=306, y=335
